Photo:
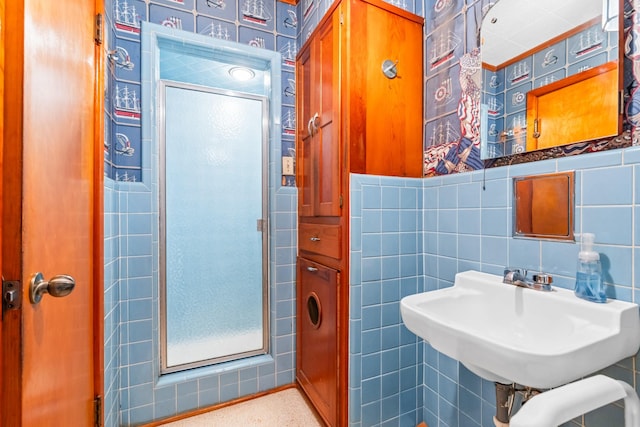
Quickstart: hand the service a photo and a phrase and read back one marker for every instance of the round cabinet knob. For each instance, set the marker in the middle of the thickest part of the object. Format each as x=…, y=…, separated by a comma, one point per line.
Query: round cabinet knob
x=59, y=286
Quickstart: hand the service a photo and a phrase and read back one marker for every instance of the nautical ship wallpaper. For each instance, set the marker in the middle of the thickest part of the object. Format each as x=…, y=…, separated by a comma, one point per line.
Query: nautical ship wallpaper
x=266, y=24
x=453, y=89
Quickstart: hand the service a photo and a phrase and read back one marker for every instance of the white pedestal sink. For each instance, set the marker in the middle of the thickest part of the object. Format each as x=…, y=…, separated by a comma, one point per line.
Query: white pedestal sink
x=508, y=334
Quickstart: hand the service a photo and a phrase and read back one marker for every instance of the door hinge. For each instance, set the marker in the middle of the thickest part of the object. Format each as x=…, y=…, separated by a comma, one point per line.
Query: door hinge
x=97, y=35
x=621, y=99
x=11, y=295
x=97, y=411
x=341, y=18
x=340, y=200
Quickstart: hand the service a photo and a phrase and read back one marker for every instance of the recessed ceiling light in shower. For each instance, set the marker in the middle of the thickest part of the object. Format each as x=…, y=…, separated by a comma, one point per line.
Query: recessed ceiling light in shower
x=241, y=73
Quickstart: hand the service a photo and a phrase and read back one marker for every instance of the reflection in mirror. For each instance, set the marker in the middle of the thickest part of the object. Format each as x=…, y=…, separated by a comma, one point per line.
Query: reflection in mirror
x=550, y=75
x=543, y=206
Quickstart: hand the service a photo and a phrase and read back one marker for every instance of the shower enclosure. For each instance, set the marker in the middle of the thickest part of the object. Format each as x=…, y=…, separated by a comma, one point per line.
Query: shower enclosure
x=213, y=234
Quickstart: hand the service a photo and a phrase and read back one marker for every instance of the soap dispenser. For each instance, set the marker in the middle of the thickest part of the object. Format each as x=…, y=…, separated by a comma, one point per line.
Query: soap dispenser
x=589, y=284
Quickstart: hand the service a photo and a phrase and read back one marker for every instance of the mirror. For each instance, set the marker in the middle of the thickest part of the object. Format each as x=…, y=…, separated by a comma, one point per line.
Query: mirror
x=543, y=206
x=550, y=74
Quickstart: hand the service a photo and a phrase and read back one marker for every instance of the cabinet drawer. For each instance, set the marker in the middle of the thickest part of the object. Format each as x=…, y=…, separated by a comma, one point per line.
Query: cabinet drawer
x=321, y=239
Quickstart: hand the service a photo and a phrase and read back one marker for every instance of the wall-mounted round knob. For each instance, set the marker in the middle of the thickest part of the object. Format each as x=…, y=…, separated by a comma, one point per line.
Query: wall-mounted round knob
x=390, y=68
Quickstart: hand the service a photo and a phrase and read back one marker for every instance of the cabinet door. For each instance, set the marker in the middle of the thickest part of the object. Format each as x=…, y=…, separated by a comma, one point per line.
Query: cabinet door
x=318, y=138
x=304, y=170
x=327, y=140
x=385, y=114
x=317, y=308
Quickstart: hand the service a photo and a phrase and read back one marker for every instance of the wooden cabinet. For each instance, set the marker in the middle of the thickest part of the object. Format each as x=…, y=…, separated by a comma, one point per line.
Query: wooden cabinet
x=317, y=323
x=359, y=103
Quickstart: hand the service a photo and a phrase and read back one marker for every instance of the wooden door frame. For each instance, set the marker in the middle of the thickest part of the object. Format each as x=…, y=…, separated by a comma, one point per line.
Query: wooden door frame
x=2, y=65
x=11, y=408
x=11, y=190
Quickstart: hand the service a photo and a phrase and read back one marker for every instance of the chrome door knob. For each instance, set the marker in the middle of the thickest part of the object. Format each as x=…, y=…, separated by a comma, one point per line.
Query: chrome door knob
x=59, y=286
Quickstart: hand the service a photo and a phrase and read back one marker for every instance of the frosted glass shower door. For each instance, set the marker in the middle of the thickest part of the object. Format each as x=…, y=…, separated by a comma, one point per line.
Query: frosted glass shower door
x=212, y=246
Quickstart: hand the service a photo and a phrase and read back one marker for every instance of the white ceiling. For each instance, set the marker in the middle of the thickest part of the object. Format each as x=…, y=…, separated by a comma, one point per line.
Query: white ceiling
x=524, y=24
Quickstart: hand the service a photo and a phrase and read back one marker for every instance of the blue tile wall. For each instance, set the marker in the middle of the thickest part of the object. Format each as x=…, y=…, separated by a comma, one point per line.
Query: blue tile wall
x=385, y=358
x=112, y=284
x=608, y=206
x=478, y=238
x=134, y=391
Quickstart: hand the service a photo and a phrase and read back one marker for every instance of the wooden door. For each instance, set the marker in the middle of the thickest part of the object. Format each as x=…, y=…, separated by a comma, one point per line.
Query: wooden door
x=304, y=181
x=326, y=144
x=52, y=203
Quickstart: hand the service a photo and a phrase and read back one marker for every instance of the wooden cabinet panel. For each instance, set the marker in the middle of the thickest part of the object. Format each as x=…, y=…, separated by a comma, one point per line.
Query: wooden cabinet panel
x=303, y=148
x=386, y=114
x=352, y=118
x=317, y=311
x=318, y=148
x=320, y=239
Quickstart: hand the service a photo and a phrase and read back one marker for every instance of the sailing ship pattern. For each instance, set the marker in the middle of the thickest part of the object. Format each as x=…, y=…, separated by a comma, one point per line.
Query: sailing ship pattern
x=126, y=17
x=588, y=41
x=256, y=11
x=307, y=8
x=289, y=122
x=126, y=176
x=217, y=31
x=550, y=78
x=519, y=72
x=289, y=51
x=494, y=106
x=442, y=49
x=443, y=132
x=126, y=104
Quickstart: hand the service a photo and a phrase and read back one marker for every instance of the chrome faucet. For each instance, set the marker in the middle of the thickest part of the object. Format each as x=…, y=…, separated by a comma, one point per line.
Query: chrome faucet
x=518, y=277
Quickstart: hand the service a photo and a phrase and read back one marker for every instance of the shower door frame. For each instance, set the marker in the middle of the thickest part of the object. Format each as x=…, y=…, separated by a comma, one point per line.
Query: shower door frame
x=262, y=224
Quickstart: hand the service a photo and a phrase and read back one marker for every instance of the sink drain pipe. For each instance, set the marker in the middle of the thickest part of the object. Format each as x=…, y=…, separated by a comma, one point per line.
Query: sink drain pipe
x=505, y=394
x=506, y=398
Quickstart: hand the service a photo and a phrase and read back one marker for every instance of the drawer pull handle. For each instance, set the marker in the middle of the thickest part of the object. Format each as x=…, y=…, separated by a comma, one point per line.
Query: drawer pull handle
x=312, y=269
x=314, y=239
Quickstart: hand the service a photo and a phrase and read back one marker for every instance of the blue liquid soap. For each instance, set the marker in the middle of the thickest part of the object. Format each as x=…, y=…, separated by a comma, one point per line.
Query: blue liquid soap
x=589, y=284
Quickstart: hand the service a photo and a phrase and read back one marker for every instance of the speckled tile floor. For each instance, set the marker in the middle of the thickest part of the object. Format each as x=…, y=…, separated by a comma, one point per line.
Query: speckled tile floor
x=287, y=408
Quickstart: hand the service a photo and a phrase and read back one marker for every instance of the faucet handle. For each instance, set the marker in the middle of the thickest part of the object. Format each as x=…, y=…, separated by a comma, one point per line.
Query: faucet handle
x=542, y=279
x=515, y=271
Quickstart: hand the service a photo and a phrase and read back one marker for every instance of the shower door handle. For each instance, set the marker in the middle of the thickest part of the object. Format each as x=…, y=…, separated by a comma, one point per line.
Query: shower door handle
x=58, y=286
